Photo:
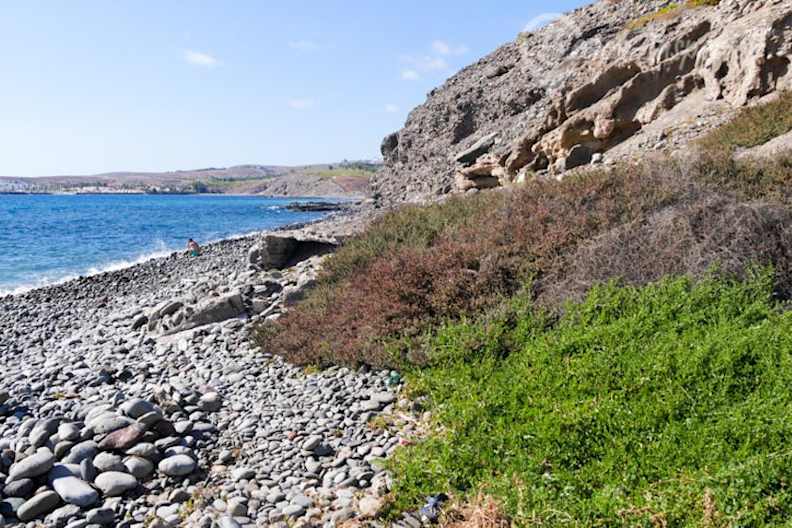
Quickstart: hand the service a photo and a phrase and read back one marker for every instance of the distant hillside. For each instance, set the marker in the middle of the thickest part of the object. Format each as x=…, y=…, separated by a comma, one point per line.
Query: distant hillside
x=347, y=178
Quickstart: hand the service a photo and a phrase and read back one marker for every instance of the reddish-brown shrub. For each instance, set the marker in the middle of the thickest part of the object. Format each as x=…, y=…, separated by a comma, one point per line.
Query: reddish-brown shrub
x=418, y=267
x=379, y=297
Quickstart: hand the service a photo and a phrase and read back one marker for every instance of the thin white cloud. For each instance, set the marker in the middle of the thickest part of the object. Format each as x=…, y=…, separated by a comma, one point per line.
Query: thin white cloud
x=304, y=45
x=391, y=108
x=301, y=103
x=416, y=66
x=541, y=20
x=425, y=63
x=432, y=64
x=198, y=58
x=442, y=47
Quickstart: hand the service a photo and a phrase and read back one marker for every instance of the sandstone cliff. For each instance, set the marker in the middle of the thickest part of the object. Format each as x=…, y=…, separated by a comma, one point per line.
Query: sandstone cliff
x=606, y=81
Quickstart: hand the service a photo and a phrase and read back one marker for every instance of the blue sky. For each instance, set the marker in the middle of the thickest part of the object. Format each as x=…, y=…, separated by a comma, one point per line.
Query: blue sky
x=98, y=86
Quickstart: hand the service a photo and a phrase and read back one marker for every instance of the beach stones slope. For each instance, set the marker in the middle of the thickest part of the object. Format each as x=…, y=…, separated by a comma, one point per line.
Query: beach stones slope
x=106, y=422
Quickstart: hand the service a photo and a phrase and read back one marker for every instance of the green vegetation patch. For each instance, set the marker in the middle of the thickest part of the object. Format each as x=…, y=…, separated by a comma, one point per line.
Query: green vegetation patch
x=753, y=126
x=666, y=405
x=668, y=12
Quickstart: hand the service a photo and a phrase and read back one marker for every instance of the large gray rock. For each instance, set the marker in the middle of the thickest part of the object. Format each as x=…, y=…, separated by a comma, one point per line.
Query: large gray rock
x=243, y=473
x=115, y=483
x=468, y=156
x=68, y=431
x=210, y=402
x=39, y=436
x=215, y=310
x=140, y=467
x=273, y=252
x=177, y=466
x=81, y=451
x=100, y=516
x=105, y=462
x=22, y=488
x=75, y=491
x=279, y=252
x=136, y=407
x=144, y=449
x=165, y=309
x=63, y=470
x=109, y=423
x=32, y=466
x=38, y=506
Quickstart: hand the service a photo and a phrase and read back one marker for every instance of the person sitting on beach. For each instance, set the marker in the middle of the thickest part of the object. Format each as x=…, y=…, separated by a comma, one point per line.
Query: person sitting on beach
x=193, y=248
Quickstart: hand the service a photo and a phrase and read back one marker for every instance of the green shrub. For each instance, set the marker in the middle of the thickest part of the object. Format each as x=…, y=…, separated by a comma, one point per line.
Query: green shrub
x=753, y=125
x=665, y=405
x=412, y=226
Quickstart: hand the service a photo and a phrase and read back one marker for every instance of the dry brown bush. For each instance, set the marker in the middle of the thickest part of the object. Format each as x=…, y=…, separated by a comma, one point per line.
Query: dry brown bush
x=482, y=511
x=420, y=267
x=713, y=234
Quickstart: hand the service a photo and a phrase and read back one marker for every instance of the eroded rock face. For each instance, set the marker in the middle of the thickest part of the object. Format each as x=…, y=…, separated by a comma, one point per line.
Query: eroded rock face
x=278, y=252
x=583, y=85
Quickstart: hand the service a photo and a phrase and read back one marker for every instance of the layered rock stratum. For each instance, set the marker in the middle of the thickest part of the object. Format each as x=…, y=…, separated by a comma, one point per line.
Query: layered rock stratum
x=606, y=81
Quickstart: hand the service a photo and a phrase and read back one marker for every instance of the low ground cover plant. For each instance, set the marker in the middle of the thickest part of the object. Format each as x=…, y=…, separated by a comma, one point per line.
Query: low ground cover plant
x=754, y=125
x=599, y=351
x=671, y=11
x=664, y=405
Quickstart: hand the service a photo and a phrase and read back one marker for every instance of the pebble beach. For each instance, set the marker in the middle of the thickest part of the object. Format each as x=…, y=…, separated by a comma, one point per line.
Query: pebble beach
x=135, y=398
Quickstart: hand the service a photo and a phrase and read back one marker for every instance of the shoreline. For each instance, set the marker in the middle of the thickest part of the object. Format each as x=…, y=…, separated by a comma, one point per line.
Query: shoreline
x=346, y=197
x=142, y=258
x=115, y=267
x=174, y=333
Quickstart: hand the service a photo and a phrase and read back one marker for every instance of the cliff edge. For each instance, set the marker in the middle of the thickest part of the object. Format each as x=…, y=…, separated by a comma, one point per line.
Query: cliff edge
x=607, y=81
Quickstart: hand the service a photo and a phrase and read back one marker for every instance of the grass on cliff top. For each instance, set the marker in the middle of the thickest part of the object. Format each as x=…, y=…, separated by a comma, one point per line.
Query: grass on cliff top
x=662, y=406
x=753, y=126
x=669, y=12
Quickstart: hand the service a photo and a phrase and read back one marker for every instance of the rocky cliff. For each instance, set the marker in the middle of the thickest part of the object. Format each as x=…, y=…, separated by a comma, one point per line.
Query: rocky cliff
x=604, y=82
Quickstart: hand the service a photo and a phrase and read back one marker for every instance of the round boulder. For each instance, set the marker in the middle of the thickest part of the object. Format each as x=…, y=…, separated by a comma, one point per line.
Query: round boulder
x=38, y=505
x=115, y=483
x=177, y=466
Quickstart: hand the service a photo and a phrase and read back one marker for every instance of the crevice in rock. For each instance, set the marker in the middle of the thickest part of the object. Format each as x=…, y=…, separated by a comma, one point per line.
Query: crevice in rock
x=465, y=124
x=610, y=79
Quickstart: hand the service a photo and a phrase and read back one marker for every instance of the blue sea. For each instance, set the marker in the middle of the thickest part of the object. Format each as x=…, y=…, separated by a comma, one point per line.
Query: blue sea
x=46, y=239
